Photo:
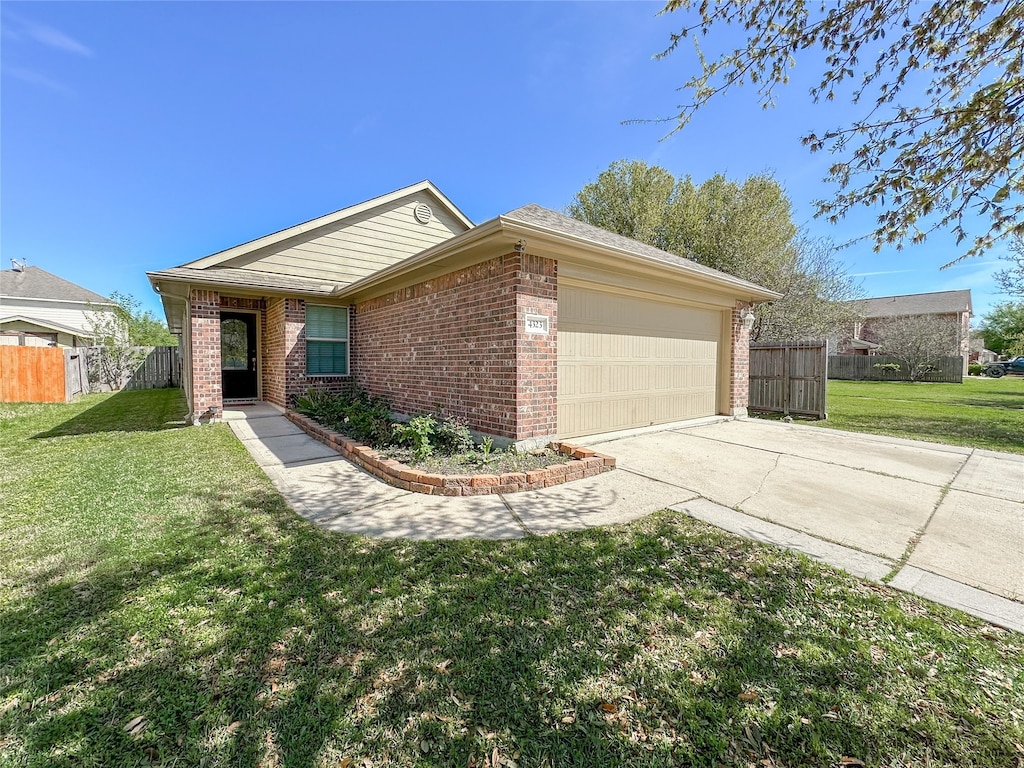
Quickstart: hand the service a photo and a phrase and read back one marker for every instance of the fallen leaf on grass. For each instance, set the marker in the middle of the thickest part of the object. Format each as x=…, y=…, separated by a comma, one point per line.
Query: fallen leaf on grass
x=135, y=726
x=234, y=726
x=851, y=762
x=748, y=696
x=608, y=707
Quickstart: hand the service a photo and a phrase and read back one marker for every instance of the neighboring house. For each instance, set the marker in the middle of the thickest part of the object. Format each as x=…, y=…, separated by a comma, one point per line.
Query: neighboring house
x=951, y=305
x=531, y=325
x=41, y=309
x=979, y=354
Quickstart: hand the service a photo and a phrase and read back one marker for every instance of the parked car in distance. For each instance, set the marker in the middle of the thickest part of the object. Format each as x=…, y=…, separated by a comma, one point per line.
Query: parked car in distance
x=995, y=370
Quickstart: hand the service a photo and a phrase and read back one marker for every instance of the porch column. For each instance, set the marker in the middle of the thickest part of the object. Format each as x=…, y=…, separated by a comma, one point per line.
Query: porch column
x=204, y=323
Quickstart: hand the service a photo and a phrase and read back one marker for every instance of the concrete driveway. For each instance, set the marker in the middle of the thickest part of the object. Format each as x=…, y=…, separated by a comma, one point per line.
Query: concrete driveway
x=942, y=522
x=955, y=512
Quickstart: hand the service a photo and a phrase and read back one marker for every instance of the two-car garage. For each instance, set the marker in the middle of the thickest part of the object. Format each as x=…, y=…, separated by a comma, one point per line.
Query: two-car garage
x=626, y=360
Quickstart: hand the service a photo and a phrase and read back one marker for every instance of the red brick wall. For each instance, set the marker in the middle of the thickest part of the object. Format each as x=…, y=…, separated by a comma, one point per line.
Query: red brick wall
x=536, y=354
x=204, y=329
x=456, y=344
x=739, y=368
x=273, y=349
x=284, y=355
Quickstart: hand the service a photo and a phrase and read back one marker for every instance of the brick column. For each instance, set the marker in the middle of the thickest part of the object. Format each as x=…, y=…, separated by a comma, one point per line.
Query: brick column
x=296, y=382
x=739, y=364
x=536, y=293
x=204, y=322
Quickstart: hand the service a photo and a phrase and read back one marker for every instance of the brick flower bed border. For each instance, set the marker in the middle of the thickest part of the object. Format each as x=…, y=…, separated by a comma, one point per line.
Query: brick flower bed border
x=584, y=463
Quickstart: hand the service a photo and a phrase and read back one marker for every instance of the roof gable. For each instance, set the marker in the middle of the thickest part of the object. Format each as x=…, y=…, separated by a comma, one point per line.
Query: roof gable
x=36, y=283
x=346, y=245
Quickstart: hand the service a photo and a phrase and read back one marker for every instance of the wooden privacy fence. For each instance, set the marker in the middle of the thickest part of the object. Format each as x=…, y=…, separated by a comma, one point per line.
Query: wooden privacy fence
x=789, y=378
x=32, y=375
x=76, y=373
x=160, y=370
x=53, y=375
x=157, y=368
x=949, y=370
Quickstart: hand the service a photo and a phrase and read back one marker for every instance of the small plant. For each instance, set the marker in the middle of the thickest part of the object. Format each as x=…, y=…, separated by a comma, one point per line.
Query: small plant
x=416, y=434
x=486, y=446
x=974, y=369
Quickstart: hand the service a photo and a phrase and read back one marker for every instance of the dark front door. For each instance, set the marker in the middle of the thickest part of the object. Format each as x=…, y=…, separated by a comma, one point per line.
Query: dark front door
x=238, y=355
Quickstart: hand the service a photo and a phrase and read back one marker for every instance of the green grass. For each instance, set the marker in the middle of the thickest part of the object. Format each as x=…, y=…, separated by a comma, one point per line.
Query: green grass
x=980, y=413
x=153, y=579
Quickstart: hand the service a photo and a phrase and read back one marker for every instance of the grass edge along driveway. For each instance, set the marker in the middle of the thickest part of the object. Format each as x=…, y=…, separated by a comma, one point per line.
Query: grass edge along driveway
x=980, y=413
x=161, y=606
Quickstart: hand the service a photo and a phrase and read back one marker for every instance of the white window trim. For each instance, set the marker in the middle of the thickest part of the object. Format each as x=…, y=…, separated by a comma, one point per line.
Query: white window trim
x=347, y=340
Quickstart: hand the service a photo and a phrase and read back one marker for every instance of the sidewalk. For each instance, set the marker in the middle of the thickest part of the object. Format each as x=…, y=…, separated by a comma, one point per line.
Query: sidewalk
x=329, y=491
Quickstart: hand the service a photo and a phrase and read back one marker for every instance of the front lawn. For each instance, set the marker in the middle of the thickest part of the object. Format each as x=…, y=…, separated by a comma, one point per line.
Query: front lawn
x=980, y=413
x=159, y=605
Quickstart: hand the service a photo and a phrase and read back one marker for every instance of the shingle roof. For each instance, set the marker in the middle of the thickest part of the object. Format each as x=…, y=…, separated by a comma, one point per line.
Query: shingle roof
x=247, y=277
x=545, y=217
x=940, y=303
x=36, y=283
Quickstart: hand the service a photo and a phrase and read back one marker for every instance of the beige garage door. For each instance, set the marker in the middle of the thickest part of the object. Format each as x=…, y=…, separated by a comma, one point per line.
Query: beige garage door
x=628, y=362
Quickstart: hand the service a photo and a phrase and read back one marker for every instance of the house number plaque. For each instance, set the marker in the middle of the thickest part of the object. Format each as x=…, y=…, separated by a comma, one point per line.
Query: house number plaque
x=536, y=324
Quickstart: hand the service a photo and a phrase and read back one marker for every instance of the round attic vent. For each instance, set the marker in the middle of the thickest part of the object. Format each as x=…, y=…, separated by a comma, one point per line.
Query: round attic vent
x=423, y=213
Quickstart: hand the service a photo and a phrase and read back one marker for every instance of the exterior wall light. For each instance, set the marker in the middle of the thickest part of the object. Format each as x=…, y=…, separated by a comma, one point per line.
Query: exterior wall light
x=748, y=318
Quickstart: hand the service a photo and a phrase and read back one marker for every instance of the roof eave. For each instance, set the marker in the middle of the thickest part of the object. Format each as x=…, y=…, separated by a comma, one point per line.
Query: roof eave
x=734, y=284
x=507, y=231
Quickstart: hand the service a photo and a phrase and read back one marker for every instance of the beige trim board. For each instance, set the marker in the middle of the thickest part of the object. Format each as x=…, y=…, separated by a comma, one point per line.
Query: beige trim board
x=647, y=289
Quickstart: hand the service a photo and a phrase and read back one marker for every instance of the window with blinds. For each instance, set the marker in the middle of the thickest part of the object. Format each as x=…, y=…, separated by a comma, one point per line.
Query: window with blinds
x=326, y=340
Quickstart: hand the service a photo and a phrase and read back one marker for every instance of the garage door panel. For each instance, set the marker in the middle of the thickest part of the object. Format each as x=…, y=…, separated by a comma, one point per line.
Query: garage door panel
x=625, y=362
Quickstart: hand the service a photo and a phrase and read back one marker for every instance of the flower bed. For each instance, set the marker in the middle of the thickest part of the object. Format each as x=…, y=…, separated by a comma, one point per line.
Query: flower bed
x=580, y=462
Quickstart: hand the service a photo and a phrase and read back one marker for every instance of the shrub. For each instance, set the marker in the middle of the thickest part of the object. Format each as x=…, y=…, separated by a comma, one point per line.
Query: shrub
x=452, y=436
x=974, y=369
x=358, y=415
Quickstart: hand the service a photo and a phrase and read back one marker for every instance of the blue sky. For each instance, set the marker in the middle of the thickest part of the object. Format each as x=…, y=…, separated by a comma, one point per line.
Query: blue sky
x=138, y=136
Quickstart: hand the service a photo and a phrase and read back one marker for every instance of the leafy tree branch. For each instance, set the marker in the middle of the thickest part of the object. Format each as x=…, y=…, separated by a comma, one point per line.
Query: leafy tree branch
x=942, y=138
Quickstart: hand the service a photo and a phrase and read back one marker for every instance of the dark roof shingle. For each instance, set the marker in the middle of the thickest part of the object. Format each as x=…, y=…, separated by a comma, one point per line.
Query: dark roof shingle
x=36, y=283
x=247, y=278
x=939, y=303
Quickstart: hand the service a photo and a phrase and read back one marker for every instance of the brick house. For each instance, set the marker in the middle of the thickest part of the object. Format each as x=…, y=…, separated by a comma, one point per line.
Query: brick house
x=954, y=306
x=531, y=325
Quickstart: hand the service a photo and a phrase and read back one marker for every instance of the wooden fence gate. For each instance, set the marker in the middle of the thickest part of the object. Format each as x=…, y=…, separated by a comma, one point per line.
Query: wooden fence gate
x=789, y=378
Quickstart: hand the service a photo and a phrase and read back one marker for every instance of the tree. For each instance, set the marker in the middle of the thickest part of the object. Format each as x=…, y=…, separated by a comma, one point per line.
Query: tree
x=113, y=357
x=918, y=341
x=144, y=328
x=630, y=198
x=1011, y=279
x=743, y=228
x=1003, y=328
x=941, y=86
x=119, y=332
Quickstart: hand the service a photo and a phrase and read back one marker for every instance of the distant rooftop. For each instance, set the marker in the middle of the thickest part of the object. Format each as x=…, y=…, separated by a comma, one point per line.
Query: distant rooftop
x=940, y=303
x=36, y=283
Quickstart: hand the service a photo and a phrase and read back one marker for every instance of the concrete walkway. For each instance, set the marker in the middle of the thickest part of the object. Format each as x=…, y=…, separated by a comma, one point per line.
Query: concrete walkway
x=942, y=522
